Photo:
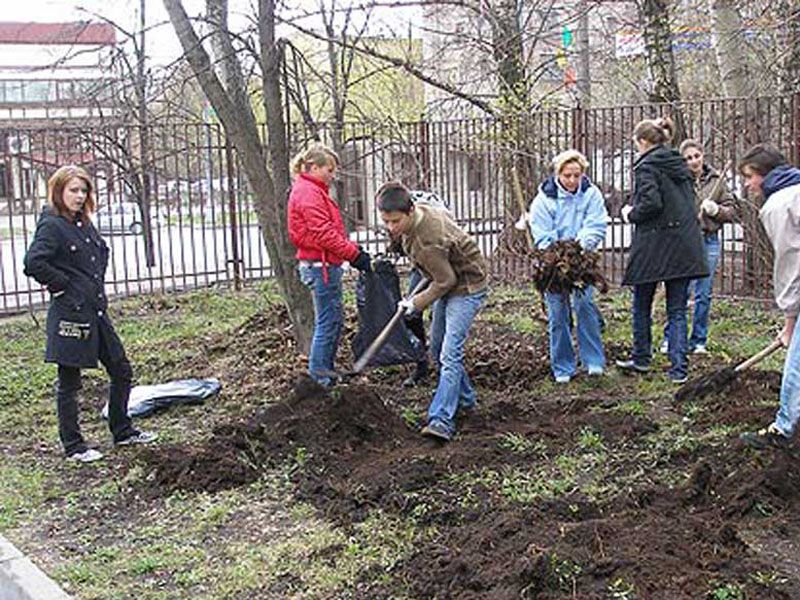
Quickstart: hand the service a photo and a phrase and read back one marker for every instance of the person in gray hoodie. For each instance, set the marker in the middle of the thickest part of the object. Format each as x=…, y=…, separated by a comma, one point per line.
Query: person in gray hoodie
x=767, y=174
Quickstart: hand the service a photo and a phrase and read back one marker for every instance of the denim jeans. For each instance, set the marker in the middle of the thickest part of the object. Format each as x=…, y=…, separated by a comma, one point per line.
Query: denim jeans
x=590, y=343
x=789, y=411
x=677, y=290
x=702, y=290
x=452, y=318
x=69, y=383
x=328, y=318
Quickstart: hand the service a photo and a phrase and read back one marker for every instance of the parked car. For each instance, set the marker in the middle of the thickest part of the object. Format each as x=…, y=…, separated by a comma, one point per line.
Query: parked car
x=124, y=218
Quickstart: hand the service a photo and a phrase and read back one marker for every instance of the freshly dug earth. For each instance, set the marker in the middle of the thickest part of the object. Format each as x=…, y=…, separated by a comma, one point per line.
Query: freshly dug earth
x=537, y=496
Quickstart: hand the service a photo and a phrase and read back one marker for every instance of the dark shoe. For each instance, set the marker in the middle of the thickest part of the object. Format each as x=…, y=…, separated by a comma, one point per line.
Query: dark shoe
x=139, y=437
x=419, y=377
x=437, y=431
x=630, y=366
x=770, y=437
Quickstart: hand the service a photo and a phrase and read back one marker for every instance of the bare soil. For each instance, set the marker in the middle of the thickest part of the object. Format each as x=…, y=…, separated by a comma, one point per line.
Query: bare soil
x=710, y=514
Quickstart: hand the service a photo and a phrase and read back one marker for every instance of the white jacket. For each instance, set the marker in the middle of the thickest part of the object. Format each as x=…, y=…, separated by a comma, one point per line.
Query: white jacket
x=780, y=216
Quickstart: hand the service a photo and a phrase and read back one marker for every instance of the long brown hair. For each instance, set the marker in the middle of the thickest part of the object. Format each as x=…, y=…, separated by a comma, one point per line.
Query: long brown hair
x=59, y=180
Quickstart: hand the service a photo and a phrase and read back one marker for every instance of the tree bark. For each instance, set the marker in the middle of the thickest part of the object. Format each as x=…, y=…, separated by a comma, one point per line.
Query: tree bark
x=269, y=204
x=730, y=48
x=661, y=60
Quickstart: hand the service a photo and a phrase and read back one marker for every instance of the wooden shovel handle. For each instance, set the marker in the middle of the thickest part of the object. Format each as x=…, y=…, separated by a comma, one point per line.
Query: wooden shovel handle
x=757, y=358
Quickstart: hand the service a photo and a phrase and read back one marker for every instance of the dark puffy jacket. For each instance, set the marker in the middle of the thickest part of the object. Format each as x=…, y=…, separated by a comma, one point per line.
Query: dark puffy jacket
x=71, y=257
x=667, y=242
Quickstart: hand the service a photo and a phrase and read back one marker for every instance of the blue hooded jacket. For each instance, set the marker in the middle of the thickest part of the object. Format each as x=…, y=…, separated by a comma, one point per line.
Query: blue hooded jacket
x=779, y=178
x=557, y=214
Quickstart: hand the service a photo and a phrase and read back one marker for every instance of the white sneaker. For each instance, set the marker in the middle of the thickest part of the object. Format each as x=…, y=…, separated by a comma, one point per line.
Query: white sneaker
x=87, y=456
x=664, y=347
x=563, y=379
x=140, y=437
x=700, y=349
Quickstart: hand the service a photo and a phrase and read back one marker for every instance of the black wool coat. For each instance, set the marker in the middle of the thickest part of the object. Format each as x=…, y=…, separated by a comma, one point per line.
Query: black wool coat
x=667, y=241
x=69, y=256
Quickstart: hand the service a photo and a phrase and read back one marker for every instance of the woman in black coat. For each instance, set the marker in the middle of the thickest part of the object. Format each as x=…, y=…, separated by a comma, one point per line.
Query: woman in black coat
x=69, y=257
x=667, y=244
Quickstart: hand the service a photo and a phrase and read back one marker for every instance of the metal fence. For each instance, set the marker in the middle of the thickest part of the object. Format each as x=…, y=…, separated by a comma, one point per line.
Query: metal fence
x=177, y=212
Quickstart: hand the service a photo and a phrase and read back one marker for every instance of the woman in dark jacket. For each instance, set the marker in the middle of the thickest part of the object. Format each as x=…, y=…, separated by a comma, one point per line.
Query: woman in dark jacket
x=667, y=244
x=69, y=257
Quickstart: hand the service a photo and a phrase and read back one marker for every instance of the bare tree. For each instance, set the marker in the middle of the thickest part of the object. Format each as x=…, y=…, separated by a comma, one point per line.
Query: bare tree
x=232, y=105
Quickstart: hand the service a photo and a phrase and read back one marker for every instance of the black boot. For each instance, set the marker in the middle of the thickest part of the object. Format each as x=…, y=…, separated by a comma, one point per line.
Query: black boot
x=420, y=374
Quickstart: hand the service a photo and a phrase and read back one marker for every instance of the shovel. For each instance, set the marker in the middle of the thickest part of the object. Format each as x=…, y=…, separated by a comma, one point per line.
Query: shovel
x=716, y=381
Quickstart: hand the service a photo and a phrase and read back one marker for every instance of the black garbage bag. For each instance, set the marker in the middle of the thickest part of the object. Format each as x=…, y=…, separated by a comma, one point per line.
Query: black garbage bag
x=377, y=294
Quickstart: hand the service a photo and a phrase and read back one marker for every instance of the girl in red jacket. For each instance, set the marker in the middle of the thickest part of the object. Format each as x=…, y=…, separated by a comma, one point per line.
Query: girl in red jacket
x=317, y=231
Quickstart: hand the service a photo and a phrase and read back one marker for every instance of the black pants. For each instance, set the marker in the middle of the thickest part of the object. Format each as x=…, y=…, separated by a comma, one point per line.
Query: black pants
x=112, y=356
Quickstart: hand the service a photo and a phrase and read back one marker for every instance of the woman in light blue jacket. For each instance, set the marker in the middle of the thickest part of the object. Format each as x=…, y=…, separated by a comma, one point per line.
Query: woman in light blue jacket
x=569, y=207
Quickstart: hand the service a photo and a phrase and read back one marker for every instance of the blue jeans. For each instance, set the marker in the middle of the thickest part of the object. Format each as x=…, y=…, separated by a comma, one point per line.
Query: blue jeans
x=590, y=343
x=677, y=292
x=328, y=318
x=702, y=289
x=452, y=318
x=789, y=411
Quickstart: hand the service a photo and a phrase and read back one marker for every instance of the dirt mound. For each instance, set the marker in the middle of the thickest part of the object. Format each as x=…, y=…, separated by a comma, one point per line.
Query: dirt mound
x=748, y=399
x=501, y=358
x=310, y=423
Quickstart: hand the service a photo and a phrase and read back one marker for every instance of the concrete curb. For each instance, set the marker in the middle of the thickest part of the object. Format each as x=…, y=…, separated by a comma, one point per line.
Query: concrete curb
x=20, y=579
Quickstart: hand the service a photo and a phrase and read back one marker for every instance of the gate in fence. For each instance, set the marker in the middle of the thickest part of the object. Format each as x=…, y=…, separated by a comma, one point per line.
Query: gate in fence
x=180, y=214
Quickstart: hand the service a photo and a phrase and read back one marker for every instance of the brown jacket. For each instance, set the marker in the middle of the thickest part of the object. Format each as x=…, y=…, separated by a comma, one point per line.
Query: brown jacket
x=704, y=187
x=446, y=254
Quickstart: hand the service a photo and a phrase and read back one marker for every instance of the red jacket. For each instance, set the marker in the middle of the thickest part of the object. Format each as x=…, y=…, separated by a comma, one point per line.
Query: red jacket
x=315, y=224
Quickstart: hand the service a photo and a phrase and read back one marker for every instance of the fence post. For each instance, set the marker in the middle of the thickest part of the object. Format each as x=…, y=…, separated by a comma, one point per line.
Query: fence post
x=578, y=133
x=232, y=210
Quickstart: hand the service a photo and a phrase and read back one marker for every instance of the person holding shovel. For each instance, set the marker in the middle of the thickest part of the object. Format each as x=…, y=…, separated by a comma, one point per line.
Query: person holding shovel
x=715, y=206
x=667, y=244
x=569, y=207
x=317, y=231
x=767, y=174
x=69, y=257
x=453, y=263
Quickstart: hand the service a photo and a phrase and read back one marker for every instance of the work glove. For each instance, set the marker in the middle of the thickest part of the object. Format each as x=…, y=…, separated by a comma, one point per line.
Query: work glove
x=362, y=262
x=625, y=212
x=407, y=305
x=709, y=207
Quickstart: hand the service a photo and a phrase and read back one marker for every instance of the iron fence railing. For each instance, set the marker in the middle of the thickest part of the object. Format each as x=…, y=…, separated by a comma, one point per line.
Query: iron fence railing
x=177, y=212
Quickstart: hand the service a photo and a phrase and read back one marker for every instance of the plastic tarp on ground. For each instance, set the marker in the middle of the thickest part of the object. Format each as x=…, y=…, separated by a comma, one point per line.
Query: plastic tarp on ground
x=377, y=294
x=147, y=399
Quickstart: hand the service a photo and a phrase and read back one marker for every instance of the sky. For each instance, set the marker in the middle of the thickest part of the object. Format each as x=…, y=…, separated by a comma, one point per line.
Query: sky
x=163, y=46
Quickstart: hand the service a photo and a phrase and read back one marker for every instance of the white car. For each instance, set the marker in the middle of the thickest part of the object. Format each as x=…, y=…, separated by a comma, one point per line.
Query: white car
x=124, y=218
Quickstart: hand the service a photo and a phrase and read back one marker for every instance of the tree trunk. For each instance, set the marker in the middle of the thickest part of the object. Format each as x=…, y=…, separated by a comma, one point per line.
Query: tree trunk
x=270, y=206
x=661, y=60
x=730, y=48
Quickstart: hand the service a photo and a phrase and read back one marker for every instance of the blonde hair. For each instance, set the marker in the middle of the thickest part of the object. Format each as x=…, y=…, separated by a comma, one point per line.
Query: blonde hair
x=656, y=131
x=59, y=180
x=315, y=154
x=569, y=156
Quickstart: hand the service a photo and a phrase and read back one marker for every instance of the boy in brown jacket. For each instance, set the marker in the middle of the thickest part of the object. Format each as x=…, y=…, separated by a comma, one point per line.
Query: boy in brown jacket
x=453, y=263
